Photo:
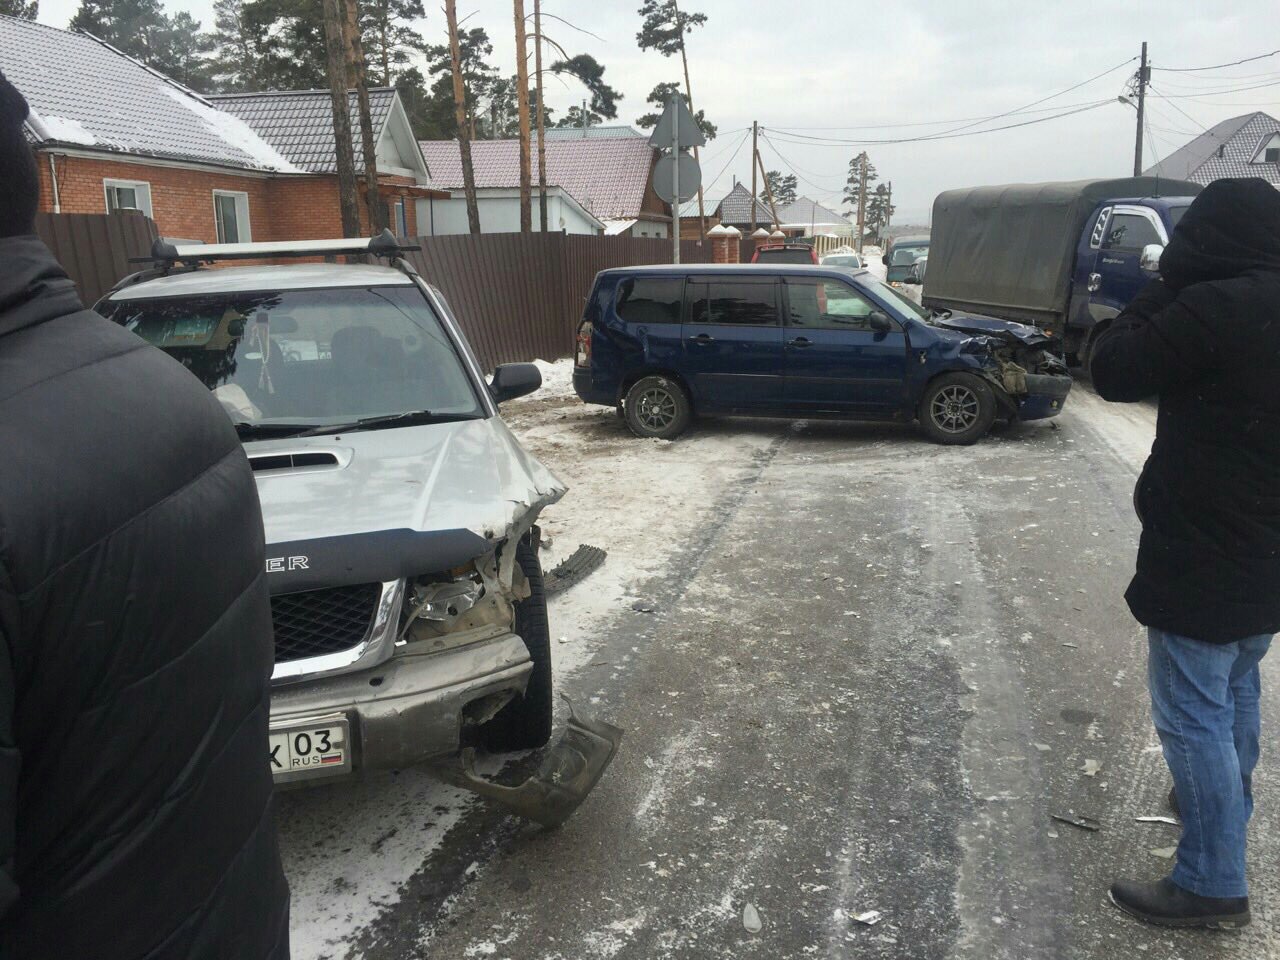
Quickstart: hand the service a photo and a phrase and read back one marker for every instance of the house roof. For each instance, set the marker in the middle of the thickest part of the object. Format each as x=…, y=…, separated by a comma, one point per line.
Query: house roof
x=802, y=212
x=622, y=131
x=1237, y=140
x=607, y=175
x=299, y=123
x=735, y=208
x=85, y=94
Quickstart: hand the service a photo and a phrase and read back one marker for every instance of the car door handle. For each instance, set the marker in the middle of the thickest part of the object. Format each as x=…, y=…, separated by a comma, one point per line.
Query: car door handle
x=800, y=342
x=703, y=338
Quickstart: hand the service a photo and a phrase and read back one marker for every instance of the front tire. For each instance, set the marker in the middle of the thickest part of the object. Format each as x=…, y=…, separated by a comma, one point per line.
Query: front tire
x=957, y=409
x=525, y=723
x=658, y=407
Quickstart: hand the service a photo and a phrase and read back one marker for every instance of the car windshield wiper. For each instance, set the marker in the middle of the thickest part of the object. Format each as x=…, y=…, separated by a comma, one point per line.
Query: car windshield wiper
x=261, y=431
x=411, y=418
x=942, y=314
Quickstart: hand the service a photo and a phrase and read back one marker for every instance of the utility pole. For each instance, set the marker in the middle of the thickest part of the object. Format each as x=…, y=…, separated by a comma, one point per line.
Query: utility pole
x=688, y=95
x=755, y=156
x=336, y=67
x=675, y=183
x=522, y=104
x=460, y=117
x=542, y=116
x=1144, y=75
x=358, y=73
x=768, y=191
x=862, y=199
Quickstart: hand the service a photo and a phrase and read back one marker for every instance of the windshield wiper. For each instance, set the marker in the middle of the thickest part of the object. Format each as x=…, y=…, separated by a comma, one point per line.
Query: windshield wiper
x=411, y=418
x=262, y=431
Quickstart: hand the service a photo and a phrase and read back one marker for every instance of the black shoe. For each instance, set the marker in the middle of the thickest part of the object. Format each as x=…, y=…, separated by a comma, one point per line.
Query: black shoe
x=1173, y=802
x=1166, y=904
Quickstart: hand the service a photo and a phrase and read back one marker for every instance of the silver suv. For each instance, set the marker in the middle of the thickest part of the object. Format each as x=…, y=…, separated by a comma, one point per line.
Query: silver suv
x=399, y=510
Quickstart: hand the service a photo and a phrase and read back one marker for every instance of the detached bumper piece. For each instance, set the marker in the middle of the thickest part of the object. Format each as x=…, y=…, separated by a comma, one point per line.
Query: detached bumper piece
x=567, y=774
x=1045, y=396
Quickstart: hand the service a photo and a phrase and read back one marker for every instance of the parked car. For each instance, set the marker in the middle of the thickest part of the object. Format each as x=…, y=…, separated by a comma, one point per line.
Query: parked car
x=851, y=260
x=1067, y=257
x=913, y=283
x=785, y=253
x=399, y=510
x=901, y=253
x=667, y=343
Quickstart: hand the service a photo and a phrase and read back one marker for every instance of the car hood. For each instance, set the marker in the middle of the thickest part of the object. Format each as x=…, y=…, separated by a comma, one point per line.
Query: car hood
x=445, y=492
x=976, y=324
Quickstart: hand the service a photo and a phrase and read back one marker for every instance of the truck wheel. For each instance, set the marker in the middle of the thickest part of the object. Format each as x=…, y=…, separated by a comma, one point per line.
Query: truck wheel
x=1086, y=352
x=957, y=408
x=525, y=722
x=657, y=407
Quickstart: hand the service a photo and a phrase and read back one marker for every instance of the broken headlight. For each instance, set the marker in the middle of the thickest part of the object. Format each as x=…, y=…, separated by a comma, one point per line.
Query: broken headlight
x=459, y=606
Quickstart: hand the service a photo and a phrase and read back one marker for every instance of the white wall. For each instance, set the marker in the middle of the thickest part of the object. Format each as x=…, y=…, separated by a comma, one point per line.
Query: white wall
x=500, y=213
x=647, y=228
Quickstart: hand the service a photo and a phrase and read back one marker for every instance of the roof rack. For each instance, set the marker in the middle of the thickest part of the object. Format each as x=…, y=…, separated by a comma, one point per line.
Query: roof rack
x=165, y=253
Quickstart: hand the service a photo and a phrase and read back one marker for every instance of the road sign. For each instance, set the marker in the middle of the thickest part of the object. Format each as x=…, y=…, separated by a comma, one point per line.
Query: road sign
x=676, y=113
x=664, y=177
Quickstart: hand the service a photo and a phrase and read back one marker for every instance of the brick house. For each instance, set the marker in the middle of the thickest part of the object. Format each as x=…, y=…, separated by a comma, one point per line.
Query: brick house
x=599, y=181
x=110, y=134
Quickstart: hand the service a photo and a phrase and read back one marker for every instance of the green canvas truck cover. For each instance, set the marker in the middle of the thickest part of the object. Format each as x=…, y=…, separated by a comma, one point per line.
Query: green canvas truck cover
x=1010, y=249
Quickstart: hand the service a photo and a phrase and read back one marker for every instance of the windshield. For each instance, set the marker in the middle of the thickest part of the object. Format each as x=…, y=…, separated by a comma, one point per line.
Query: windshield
x=785, y=256
x=896, y=299
x=842, y=261
x=905, y=256
x=310, y=357
x=1175, y=214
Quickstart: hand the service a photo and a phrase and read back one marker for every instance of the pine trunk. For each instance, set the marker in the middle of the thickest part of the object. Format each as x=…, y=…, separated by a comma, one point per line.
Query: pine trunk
x=460, y=117
x=359, y=75
x=336, y=68
x=542, y=116
x=522, y=102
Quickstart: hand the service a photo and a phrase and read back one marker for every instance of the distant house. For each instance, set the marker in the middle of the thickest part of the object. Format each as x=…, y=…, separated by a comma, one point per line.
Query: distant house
x=1244, y=146
x=597, y=183
x=805, y=218
x=112, y=134
x=735, y=210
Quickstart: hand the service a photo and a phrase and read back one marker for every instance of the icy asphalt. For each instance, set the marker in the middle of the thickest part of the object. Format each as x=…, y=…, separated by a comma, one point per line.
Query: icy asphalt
x=872, y=671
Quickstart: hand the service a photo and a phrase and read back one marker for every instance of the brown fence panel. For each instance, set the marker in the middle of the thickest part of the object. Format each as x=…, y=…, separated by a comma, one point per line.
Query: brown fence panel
x=520, y=296
x=94, y=248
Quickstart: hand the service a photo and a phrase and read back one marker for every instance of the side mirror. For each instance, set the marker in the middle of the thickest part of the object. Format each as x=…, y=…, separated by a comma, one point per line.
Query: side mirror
x=511, y=380
x=879, y=321
x=1149, y=262
x=912, y=278
x=885, y=259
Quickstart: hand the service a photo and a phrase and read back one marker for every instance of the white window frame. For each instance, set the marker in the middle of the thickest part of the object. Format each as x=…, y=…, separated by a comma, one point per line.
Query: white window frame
x=242, y=215
x=141, y=189
x=1260, y=155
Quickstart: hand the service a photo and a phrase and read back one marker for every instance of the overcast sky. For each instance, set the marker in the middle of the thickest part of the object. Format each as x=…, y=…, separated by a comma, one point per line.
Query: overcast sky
x=846, y=70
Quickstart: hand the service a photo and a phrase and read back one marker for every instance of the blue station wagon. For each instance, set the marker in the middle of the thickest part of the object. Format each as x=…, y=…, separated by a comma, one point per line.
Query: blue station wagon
x=665, y=343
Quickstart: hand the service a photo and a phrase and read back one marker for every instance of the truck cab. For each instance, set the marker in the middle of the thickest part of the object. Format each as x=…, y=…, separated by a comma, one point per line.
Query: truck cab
x=1117, y=253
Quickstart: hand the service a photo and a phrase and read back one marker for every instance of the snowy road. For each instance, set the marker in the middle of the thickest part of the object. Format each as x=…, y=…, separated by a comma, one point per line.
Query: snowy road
x=875, y=667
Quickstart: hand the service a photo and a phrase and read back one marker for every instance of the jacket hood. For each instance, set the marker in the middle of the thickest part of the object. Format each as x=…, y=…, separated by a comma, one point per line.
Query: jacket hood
x=1007, y=330
x=1232, y=227
x=33, y=286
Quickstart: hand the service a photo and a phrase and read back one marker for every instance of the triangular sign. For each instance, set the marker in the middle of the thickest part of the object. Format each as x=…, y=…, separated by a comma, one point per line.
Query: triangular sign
x=676, y=112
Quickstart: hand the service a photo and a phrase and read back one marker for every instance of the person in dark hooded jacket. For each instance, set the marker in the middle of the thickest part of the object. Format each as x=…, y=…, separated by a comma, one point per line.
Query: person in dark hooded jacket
x=1205, y=339
x=135, y=635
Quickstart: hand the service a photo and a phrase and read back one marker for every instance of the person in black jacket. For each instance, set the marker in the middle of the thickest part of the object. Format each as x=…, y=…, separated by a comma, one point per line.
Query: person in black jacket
x=135, y=635
x=1205, y=339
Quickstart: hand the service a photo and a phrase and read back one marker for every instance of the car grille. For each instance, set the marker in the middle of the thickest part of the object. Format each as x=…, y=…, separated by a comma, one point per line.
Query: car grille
x=317, y=622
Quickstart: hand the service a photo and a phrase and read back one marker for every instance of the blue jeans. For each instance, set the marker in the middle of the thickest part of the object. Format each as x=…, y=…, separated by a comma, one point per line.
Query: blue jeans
x=1204, y=700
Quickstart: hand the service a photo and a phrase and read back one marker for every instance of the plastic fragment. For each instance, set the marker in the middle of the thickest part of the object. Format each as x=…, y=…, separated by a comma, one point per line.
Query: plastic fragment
x=751, y=919
x=1042, y=747
x=1084, y=823
x=1165, y=852
x=868, y=918
x=643, y=606
x=1091, y=767
x=1169, y=820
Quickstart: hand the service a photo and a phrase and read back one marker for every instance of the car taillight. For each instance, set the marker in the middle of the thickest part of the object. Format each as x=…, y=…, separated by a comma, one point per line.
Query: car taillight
x=582, y=351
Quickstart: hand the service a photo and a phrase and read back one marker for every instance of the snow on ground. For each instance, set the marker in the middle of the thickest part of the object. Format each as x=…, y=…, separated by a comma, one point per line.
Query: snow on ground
x=871, y=260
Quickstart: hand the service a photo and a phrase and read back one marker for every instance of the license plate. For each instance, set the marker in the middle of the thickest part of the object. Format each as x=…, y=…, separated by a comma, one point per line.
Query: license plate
x=303, y=749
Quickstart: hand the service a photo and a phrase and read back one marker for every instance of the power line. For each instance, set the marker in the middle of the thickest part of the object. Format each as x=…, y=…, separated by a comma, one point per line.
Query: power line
x=946, y=135
x=1217, y=66
x=711, y=183
x=928, y=123
x=1218, y=93
x=1183, y=112
x=792, y=167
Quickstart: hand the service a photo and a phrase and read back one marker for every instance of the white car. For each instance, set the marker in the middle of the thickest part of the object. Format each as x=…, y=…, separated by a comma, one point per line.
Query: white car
x=913, y=283
x=399, y=510
x=851, y=260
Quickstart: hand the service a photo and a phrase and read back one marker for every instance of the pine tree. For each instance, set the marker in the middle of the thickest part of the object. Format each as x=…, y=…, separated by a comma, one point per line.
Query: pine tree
x=390, y=39
x=22, y=9
x=590, y=72
x=880, y=210
x=659, y=96
x=784, y=188
x=855, y=178
x=237, y=45
x=478, y=77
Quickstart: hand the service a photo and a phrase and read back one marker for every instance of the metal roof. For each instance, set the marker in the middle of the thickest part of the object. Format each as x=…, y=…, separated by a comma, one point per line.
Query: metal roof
x=85, y=94
x=803, y=212
x=299, y=123
x=735, y=208
x=234, y=280
x=1225, y=150
x=606, y=176
x=592, y=133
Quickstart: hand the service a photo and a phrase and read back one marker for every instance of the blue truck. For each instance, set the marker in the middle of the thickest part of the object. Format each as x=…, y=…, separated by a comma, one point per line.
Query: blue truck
x=1066, y=257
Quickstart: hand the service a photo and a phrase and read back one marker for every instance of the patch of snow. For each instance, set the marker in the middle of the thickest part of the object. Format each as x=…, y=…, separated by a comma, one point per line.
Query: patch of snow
x=557, y=380
x=233, y=131
x=66, y=130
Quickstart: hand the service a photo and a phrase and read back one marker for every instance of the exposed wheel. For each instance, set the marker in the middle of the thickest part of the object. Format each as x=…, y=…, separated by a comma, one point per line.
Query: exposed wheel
x=657, y=407
x=525, y=722
x=1086, y=352
x=957, y=408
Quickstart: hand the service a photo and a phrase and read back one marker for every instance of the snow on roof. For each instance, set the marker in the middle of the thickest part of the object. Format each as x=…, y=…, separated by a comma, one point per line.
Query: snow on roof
x=299, y=123
x=607, y=175
x=613, y=228
x=1237, y=140
x=83, y=92
x=803, y=212
x=621, y=131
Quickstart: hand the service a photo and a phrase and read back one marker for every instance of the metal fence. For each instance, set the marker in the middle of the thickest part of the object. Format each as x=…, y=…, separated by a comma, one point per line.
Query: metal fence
x=94, y=248
x=516, y=296
x=520, y=296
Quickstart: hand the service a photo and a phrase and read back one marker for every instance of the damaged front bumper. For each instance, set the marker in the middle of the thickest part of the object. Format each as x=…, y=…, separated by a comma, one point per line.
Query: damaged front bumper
x=1044, y=397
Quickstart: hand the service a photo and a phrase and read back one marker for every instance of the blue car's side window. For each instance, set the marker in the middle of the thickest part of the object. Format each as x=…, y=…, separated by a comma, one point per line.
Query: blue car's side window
x=827, y=305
